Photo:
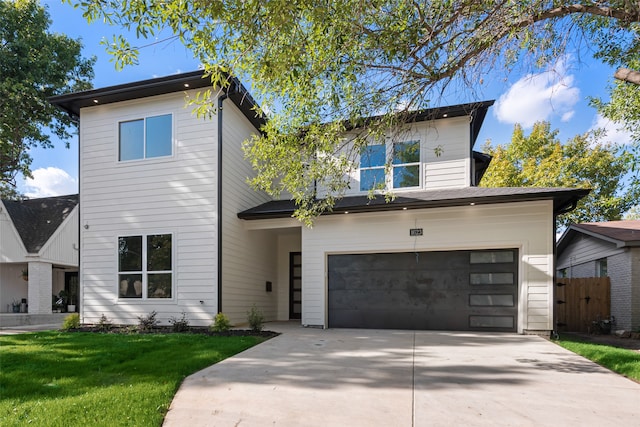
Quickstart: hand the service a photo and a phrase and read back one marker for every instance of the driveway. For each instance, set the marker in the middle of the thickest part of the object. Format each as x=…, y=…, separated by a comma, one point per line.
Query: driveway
x=347, y=377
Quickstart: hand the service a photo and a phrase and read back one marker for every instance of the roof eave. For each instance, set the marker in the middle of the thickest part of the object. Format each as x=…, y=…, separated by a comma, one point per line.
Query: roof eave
x=423, y=204
x=73, y=102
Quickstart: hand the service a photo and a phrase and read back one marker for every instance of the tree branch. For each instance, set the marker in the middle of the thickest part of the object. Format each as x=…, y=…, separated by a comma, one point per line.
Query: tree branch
x=627, y=75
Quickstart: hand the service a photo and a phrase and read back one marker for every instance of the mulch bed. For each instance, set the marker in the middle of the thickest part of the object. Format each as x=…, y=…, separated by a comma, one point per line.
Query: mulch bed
x=202, y=330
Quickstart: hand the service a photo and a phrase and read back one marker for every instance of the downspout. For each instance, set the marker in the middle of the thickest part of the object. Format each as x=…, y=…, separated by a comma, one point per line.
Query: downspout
x=76, y=119
x=233, y=87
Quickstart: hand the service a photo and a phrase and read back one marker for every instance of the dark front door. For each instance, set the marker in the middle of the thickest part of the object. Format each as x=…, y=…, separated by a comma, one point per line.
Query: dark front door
x=453, y=290
x=295, y=285
x=72, y=289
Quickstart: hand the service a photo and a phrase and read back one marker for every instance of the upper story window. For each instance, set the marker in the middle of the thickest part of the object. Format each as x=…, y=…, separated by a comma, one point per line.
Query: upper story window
x=404, y=170
x=145, y=138
x=406, y=164
x=145, y=268
x=372, y=167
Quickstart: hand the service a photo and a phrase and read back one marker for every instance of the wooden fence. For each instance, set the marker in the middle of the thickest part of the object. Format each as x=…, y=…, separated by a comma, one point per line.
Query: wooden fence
x=580, y=302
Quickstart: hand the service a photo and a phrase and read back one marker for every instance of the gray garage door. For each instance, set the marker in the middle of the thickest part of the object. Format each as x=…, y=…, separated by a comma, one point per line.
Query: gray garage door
x=461, y=290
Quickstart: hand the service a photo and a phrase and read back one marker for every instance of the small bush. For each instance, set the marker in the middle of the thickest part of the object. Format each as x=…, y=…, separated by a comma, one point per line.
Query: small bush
x=255, y=318
x=181, y=324
x=220, y=323
x=104, y=324
x=72, y=321
x=148, y=322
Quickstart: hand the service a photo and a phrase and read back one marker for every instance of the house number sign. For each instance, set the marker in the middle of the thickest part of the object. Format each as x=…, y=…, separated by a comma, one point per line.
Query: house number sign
x=415, y=232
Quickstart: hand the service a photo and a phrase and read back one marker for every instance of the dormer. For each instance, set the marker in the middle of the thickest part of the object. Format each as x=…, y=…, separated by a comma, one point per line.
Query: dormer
x=434, y=150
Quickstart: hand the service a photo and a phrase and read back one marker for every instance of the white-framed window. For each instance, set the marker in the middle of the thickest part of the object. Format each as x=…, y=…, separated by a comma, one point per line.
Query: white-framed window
x=145, y=138
x=406, y=164
x=404, y=170
x=372, y=167
x=145, y=266
x=601, y=268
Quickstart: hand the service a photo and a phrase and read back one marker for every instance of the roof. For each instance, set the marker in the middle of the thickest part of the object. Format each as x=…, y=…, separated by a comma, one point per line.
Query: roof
x=564, y=199
x=36, y=220
x=621, y=233
x=73, y=102
x=477, y=111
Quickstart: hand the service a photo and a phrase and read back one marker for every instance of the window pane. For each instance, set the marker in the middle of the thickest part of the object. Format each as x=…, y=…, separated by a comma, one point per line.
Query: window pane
x=131, y=136
x=491, y=321
x=159, y=252
x=406, y=152
x=491, y=257
x=130, y=285
x=406, y=176
x=159, y=285
x=372, y=155
x=371, y=179
x=491, y=300
x=130, y=253
x=492, y=278
x=158, y=136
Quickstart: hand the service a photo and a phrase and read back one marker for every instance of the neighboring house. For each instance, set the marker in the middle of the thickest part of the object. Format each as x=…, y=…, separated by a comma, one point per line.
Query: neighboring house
x=38, y=251
x=169, y=223
x=610, y=249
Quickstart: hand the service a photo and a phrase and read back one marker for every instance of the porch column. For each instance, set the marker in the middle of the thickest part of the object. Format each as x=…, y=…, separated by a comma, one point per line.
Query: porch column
x=40, y=287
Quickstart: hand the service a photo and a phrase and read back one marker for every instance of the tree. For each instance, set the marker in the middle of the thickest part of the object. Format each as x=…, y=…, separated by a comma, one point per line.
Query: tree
x=540, y=160
x=341, y=61
x=34, y=65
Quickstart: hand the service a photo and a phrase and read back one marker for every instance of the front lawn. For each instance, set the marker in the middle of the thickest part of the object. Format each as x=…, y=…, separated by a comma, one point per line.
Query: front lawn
x=622, y=361
x=89, y=379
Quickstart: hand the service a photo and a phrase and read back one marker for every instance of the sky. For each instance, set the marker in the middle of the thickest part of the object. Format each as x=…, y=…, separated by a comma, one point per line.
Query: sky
x=559, y=95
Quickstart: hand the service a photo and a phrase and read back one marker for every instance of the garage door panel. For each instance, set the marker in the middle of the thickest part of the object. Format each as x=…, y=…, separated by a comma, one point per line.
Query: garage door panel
x=461, y=290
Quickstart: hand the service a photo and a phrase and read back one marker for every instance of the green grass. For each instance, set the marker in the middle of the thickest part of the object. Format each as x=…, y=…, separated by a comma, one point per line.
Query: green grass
x=622, y=361
x=88, y=379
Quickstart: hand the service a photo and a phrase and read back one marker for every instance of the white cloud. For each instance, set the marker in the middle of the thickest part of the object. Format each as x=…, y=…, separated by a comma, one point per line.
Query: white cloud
x=537, y=97
x=615, y=133
x=51, y=181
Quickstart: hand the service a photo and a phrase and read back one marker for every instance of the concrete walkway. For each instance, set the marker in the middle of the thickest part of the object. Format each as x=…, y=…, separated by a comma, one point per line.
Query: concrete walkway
x=345, y=377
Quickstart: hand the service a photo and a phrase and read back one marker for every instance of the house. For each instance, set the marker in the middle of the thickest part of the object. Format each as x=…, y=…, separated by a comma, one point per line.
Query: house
x=599, y=249
x=169, y=223
x=38, y=253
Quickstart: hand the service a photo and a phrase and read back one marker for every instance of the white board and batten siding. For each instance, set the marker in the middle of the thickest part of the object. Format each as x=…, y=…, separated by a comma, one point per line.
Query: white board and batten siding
x=11, y=247
x=168, y=195
x=456, y=228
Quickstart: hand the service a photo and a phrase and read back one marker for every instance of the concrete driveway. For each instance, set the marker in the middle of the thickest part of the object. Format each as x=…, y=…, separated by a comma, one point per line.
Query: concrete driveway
x=346, y=377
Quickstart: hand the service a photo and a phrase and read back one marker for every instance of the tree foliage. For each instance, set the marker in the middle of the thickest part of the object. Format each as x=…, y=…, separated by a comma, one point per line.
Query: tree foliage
x=341, y=61
x=584, y=161
x=34, y=65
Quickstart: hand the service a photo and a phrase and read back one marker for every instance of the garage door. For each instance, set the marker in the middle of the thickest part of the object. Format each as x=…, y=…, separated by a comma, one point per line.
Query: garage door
x=461, y=290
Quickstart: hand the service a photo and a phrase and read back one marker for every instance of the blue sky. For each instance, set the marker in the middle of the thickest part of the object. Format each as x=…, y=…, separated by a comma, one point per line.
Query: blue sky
x=559, y=95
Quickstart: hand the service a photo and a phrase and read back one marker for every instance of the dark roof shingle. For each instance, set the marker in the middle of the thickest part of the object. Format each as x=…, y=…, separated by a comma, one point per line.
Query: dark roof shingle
x=562, y=198
x=37, y=219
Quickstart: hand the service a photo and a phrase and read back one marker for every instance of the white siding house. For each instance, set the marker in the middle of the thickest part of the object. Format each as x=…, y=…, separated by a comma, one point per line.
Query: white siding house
x=38, y=257
x=168, y=225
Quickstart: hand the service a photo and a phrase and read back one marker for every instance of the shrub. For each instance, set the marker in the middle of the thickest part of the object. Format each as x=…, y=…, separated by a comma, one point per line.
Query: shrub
x=72, y=321
x=255, y=318
x=104, y=324
x=148, y=322
x=220, y=323
x=181, y=324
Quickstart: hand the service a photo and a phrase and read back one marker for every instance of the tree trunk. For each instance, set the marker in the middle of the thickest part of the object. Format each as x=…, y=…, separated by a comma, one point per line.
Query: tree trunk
x=627, y=75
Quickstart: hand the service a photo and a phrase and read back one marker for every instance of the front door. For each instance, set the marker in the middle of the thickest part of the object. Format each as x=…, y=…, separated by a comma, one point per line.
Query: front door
x=295, y=285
